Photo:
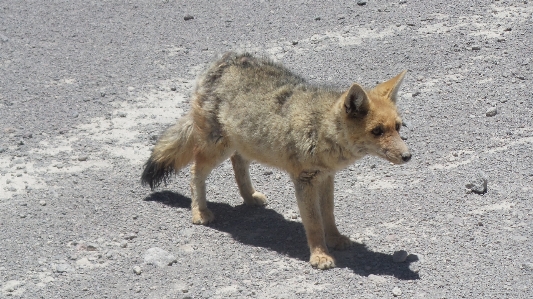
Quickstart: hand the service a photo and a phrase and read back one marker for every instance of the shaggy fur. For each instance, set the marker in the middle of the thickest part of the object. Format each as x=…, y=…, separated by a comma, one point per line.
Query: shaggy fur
x=252, y=109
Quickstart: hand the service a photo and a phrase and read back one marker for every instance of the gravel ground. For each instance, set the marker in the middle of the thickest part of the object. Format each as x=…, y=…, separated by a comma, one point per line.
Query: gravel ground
x=85, y=88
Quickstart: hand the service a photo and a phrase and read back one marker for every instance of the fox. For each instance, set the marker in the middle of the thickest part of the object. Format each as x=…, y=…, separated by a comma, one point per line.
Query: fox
x=249, y=108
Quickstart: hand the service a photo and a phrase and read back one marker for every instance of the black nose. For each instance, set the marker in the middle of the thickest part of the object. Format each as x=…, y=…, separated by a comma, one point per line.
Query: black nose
x=406, y=157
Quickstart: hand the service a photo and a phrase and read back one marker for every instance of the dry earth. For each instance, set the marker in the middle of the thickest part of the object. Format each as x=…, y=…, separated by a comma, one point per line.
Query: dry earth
x=85, y=89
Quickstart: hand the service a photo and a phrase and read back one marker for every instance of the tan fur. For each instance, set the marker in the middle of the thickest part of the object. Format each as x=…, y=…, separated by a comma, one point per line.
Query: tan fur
x=251, y=109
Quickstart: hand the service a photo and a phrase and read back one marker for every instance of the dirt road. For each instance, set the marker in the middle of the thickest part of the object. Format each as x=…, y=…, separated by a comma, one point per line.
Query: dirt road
x=85, y=89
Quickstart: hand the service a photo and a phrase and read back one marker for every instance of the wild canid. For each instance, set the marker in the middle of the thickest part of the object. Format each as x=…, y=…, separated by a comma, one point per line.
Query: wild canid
x=251, y=109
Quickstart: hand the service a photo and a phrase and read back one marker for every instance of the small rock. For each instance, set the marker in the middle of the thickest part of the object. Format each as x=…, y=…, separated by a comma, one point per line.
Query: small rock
x=396, y=292
x=82, y=158
x=84, y=263
x=478, y=184
x=124, y=244
x=42, y=203
x=92, y=247
x=21, y=142
x=62, y=268
x=122, y=114
x=361, y=2
x=188, y=17
x=294, y=43
x=403, y=1
x=492, y=111
x=527, y=266
x=399, y=256
x=3, y=38
x=476, y=48
x=159, y=257
x=27, y=135
x=130, y=236
x=377, y=279
x=11, y=286
x=2, y=150
x=267, y=172
x=318, y=19
x=137, y=270
x=173, y=88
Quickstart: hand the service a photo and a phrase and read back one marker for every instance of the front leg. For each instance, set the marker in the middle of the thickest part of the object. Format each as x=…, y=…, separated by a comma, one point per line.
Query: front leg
x=307, y=195
x=334, y=239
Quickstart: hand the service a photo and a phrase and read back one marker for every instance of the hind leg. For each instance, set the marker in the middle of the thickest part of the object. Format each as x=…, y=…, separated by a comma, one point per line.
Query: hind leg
x=204, y=163
x=242, y=176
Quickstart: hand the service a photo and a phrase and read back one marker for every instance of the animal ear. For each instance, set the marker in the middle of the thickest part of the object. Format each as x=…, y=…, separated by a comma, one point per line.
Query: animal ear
x=390, y=88
x=356, y=101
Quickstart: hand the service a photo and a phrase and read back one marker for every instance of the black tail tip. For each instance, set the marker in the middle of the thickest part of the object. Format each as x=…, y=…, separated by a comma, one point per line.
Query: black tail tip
x=154, y=174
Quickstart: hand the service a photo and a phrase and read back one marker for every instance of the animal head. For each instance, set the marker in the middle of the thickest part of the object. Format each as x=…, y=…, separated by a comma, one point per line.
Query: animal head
x=373, y=120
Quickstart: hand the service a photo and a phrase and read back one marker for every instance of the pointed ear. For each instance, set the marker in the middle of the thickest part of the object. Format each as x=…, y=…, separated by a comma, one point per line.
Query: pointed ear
x=390, y=88
x=356, y=101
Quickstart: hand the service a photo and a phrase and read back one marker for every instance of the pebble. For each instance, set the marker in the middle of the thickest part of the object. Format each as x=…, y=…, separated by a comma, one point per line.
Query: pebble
x=62, y=268
x=11, y=286
x=131, y=236
x=3, y=38
x=361, y=2
x=2, y=150
x=124, y=244
x=82, y=158
x=188, y=17
x=527, y=266
x=492, y=111
x=399, y=256
x=476, y=48
x=137, y=270
x=478, y=184
x=396, y=292
x=92, y=247
x=42, y=203
x=159, y=257
x=377, y=279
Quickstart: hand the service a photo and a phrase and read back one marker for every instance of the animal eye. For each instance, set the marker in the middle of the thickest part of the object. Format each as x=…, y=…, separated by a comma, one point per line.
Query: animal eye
x=377, y=131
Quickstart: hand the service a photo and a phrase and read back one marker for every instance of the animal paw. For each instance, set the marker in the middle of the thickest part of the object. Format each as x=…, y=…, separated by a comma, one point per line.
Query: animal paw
x=257, y=199
x=322, y=261
x=339, y=242
x=203, y=217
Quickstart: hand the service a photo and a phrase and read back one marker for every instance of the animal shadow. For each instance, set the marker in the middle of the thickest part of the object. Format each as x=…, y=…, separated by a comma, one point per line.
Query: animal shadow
x=266, y=228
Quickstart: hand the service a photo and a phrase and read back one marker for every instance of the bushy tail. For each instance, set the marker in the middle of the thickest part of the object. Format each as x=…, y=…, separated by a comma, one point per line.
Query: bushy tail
x=172, y=152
